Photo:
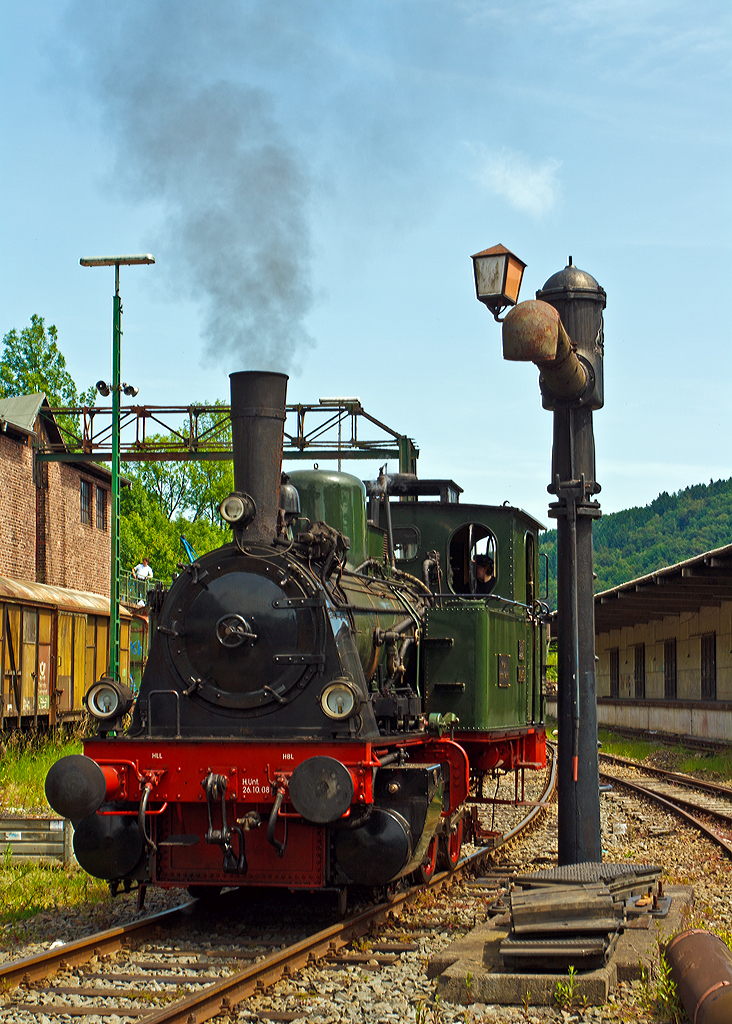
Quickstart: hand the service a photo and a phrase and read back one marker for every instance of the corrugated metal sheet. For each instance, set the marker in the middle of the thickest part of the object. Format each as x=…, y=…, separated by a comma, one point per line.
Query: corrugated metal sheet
x=37, y=839
x=63, y=598
x=21, y=411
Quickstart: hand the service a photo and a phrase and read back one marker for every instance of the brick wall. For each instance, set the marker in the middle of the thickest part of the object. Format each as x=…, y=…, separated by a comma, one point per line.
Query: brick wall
x=42, y=537
x=17, y=508
x=80, y=557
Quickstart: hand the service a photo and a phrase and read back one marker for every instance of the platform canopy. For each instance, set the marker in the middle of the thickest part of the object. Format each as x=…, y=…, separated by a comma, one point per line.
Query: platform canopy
x=685, y=587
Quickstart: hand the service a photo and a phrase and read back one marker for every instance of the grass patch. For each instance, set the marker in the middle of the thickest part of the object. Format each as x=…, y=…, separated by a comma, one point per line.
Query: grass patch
x=29, y=889
x=710, y=764
x=626, y=746
x=717, y=763
x=713, y=765
x=24, y=764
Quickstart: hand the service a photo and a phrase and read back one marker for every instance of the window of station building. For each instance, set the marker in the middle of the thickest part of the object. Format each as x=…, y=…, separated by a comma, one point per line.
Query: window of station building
x=669, y=669
x=640, y=671
x=101, y=507
x=406, y=543
x=614, y=672
x=709, y=666
x=86, y=502
x=471, y=545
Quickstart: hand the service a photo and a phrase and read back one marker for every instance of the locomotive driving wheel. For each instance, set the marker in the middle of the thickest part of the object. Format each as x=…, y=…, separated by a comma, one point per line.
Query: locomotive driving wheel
x=449, y=848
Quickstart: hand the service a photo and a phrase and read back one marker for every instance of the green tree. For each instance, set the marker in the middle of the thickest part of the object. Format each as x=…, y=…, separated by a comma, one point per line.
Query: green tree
x=146, y=530
x=637, y=541
x=32, y=362
x=168, y=500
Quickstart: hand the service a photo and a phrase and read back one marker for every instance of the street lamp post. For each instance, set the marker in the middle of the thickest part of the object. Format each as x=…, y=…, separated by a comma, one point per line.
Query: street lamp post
x=561, y=332
x=115, y=387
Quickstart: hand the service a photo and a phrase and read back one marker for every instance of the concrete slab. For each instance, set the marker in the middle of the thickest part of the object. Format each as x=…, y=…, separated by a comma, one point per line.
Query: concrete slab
x=471, y=970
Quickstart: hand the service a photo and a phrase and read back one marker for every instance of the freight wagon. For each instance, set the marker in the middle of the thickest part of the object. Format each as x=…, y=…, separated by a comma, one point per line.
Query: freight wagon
x=54, y=645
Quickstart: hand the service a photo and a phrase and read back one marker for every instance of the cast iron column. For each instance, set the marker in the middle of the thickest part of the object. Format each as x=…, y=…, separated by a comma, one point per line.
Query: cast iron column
x=579, y=300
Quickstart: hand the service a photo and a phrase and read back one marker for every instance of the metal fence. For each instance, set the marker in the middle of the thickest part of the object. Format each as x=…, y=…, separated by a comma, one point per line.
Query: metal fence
x=37, y=839
x=133, y=591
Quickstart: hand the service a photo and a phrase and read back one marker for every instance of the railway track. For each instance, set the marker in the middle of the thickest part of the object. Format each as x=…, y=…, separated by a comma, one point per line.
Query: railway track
x=691, y=799
x=151, y=972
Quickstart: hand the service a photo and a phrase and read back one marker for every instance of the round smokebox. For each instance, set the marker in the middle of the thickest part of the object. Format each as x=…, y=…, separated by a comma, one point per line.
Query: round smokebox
x=321, y=789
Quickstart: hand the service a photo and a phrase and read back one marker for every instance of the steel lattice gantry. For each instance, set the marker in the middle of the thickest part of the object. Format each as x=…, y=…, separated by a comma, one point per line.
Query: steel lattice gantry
x=179, y=433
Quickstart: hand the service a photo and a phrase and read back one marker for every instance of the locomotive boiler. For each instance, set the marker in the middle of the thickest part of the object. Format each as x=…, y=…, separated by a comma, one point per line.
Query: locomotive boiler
x=326, y=694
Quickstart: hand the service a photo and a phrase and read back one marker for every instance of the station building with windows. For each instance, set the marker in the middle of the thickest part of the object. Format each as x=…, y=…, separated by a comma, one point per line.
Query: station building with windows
x=664, y=649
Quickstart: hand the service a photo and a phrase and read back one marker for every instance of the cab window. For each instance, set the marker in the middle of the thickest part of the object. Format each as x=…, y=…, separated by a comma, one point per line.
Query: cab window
x=473, y=561
x=406, y=543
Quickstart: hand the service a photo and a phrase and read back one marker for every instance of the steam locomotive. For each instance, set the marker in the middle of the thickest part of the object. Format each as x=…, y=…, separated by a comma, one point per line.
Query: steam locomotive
x=326, y=695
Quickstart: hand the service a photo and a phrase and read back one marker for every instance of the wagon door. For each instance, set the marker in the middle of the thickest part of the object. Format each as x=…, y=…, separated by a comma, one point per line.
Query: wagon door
x=43, y=679
x=79, y=662
x=12, y=661
x=65, y=674
x=124, y=651
x=28, y=670
x=9, y=664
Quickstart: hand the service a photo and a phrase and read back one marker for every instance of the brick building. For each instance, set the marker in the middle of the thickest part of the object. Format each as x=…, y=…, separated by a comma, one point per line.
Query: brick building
x=54, y=516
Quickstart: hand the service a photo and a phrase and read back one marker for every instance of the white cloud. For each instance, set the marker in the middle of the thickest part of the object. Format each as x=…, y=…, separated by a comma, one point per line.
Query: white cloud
x=510, y=175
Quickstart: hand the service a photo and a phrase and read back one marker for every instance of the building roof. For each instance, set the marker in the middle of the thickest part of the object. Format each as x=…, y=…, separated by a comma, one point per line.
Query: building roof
x=21, y=412
x=63, y=598
x=685, y=587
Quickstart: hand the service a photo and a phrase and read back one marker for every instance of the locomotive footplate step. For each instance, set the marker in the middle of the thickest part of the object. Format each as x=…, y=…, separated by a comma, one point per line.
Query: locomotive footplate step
x=472, y=969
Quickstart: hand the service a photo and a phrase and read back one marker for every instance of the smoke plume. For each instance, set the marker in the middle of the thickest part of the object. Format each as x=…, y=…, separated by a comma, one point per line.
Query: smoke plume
x=228, y=190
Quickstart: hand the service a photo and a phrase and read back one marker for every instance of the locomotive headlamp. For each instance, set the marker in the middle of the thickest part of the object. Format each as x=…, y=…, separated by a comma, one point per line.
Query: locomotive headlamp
x=108, y=699
x=238, y=509
x=498, y=276
x=339, y=700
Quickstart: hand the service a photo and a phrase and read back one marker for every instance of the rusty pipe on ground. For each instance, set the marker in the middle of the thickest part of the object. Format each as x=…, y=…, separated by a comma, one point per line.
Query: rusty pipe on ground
x=701, y=966
x=533, y=332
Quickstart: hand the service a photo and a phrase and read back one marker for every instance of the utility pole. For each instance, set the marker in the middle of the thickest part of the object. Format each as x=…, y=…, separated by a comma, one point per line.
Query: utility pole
x=115, y=387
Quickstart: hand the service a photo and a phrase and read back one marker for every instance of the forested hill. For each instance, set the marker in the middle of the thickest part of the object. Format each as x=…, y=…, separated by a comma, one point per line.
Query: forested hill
x=637, y=541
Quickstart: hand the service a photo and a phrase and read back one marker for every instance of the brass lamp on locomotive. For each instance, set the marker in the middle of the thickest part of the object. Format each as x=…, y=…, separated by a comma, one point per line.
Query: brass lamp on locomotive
x=324, y=694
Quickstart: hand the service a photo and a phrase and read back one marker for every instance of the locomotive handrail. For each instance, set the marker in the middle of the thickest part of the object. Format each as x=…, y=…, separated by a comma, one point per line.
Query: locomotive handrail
x=484, y=599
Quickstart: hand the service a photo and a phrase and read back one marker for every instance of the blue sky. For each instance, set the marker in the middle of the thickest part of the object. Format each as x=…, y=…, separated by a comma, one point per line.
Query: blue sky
x=312, y=178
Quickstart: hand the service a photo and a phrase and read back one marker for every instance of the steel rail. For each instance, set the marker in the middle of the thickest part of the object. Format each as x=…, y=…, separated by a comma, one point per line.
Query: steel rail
x=663, y=773
x=42, y=965
x=222, y=995
x=674, y=808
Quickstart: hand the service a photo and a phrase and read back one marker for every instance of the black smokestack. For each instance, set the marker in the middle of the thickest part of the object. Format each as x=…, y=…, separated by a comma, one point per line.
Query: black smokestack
x=257, y=428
